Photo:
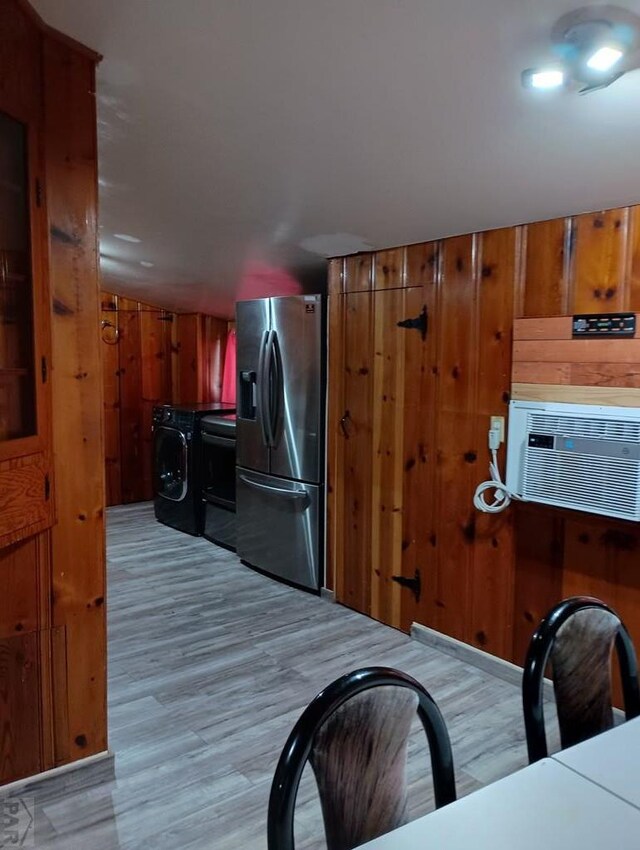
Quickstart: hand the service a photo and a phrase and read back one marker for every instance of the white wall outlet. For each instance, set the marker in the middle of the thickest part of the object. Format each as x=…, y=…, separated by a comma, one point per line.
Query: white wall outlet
x=497, y=424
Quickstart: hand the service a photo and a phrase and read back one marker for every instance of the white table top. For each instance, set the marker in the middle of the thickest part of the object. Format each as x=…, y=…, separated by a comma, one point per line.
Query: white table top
x=546, y=805
x=611, y=760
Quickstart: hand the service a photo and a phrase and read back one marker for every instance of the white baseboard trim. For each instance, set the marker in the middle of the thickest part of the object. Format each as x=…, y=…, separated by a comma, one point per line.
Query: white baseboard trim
x=95, y=768
x=327, y=594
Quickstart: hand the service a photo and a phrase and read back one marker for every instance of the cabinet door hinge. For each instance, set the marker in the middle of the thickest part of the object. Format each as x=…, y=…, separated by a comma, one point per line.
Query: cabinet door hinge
x=44, y=369
x=38, y=192
x=47, y=487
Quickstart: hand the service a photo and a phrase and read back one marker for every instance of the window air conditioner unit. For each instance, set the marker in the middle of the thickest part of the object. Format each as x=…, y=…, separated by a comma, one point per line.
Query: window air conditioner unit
x=579, y=456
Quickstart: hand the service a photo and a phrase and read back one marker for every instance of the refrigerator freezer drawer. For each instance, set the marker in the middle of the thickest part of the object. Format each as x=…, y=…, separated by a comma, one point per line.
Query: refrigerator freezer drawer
x=278, y=526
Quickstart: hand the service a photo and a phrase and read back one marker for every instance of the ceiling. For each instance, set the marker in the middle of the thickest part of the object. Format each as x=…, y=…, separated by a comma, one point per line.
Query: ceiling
x=242, y=141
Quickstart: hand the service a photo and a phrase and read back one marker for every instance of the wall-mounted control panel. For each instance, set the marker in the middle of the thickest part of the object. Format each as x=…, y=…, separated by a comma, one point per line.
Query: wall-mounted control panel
x=591, y=325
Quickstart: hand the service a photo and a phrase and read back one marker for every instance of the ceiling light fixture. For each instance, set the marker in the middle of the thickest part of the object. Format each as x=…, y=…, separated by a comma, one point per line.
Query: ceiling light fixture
x=126, y=238
x=146, y=264
x=543, y=78
x=593, y=47
x=604, y=58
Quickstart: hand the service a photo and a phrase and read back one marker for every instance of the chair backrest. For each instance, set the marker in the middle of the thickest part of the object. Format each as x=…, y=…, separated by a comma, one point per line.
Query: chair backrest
x=355, y=739
x=577, y=637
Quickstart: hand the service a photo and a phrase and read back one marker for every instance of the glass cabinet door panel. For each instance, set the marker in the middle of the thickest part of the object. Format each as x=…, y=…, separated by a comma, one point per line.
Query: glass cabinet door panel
x=17, y=378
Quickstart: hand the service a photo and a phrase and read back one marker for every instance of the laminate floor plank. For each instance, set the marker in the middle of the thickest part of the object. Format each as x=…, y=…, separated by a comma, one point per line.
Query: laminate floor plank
x=210, y=665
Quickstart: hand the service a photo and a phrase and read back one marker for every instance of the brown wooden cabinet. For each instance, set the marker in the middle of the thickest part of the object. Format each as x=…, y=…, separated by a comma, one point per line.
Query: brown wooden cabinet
x=26, y=504
x=52, y=582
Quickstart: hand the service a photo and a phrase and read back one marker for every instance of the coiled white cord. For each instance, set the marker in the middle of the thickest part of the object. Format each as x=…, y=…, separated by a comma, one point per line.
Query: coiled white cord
x=502, y=498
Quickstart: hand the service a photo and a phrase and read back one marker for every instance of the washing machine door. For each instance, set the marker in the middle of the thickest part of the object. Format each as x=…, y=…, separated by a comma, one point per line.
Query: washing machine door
x=171, y=470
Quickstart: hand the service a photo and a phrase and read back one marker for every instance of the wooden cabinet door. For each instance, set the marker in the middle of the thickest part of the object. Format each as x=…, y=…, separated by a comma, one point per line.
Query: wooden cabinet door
x=25, y=477
x=382, y=462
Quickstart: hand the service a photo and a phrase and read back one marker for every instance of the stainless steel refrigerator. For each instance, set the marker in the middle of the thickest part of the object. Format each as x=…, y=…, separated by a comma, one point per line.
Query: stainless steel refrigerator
x=280, y=440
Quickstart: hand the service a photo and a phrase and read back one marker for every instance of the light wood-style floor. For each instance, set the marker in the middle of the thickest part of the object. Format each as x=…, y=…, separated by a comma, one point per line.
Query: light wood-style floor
x=210, y=665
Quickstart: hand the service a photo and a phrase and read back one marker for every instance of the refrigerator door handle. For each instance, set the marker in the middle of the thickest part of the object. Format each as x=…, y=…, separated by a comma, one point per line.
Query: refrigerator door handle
x=262, y=391
x=293, y=495
x=267, y=394
x=276, y=390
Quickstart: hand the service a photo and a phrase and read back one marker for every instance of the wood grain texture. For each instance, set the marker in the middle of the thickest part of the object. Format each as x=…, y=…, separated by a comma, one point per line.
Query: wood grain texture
x=132, y=446
x=388, y=400
x=569, y=394
x=26, y=504
x=78, y=558
x=633, y=258
x=553, y=327
x=389, y=269
x=111, y=395
x=605, y=350
x=599, y=280
x=538, y=571
x=19, y=707
x=455, y=435
x=155, y=388
x=19, y=579
x=484, y=579
x=491, y=579
x=545, y=274
x=334, y=276
x=540, y=373
x=353, y=583
x=358, y=273
x=419, y=443
x=187, y=352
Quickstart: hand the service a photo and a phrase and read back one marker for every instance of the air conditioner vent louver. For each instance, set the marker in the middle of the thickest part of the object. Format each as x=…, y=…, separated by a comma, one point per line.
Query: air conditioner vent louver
x=595, y=429
x=576, y=456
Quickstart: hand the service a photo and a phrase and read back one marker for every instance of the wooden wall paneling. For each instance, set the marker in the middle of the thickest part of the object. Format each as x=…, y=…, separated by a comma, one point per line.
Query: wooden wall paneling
x=578, y=351
x=20, y=43
x=539, y=535
x=601, y=559
x=186, y=351
x=20, y=582
x=456, y=324
x=600, y=262
x=155, y=387
x=633, y=251
x=389, y=269
x=132, y=446
x=491, y=579
x=25, y=497
x=358, y=275
x=335, y=409
x=353, y=580
x=388, y=411
x=78, y=555
x=111, y=392
x=419, y=450
x=571, y=394
x=546, y=268
x=20, y=720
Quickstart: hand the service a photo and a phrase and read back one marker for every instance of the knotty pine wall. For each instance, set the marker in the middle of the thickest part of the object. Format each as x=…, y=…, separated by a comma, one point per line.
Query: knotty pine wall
x=160, y=357
x=52, y=600
x=408, y=423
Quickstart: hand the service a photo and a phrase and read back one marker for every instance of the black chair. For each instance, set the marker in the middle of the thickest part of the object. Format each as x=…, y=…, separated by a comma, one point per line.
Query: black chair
x=356, y=741
x=577, y=637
